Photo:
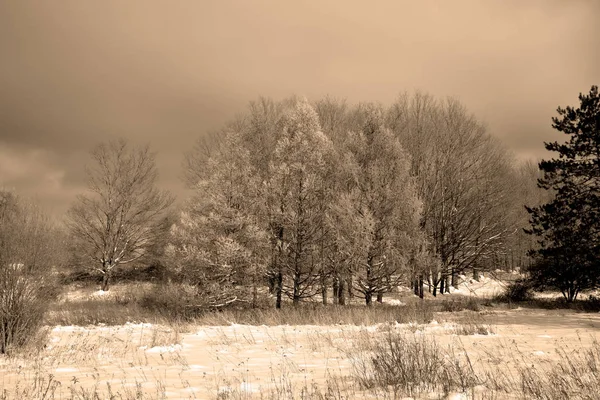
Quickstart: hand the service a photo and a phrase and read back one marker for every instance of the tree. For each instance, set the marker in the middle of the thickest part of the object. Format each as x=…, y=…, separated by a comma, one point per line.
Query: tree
x=120, y=218
x=27, y=253
x=298, y=197
x=463, y=177
x=568, y=227
x=379, y=215
x=218, y=244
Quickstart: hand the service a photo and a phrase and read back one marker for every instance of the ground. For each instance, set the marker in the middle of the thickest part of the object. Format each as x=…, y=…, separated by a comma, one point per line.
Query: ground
x=142, y=360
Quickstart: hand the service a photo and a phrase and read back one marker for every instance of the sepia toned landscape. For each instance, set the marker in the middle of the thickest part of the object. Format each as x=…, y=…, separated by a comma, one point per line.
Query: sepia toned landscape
x=310, y=200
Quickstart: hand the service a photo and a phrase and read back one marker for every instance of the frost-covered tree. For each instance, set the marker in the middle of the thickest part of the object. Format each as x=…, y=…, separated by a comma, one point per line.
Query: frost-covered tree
x=298, y=197
x=219, y=244
x=121, y=216
x=379, y=215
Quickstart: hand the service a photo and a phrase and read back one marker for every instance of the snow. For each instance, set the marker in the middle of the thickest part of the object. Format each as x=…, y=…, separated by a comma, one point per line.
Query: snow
x=484, y=287
x=394, y=302
x=164, y=349
x=244, y=361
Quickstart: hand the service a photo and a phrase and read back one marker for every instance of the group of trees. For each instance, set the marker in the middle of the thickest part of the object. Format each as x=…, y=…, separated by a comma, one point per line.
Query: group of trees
x=302, y=197
x=359, y=198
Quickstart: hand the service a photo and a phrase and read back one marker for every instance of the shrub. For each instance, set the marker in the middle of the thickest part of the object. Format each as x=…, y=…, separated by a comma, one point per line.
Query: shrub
x=412, y=364
x=24, y=298
x=461, y=303
x=173, y=301
x=517, y=291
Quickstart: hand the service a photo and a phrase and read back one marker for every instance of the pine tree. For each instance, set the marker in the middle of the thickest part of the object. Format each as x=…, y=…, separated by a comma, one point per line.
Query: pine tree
x=568, y=227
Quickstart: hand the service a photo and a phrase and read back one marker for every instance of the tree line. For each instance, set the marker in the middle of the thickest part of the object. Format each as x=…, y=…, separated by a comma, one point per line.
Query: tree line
x=302, y=197
x=307, y=199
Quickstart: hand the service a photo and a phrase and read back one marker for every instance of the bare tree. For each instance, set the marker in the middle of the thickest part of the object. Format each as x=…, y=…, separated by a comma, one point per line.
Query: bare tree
x=464, y=179
x=120, y=218
x=27, y=252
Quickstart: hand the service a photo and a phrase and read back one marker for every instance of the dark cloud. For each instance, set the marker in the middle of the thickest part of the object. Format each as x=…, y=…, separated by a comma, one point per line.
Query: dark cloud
x=75, y=73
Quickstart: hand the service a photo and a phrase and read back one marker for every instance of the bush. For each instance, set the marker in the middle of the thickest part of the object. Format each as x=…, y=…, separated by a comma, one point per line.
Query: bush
x=517, y=291
x=173, y=301
x=24, y=298
x=413, y=364
x=461, y=303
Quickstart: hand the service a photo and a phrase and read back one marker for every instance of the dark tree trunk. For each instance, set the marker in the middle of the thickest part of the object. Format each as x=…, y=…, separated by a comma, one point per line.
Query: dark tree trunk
x=380, y=297
x=442, y=284
x=106, y=280
x=341, y=293
x=349, y=283
x=279, y=289
x=296, y=292
x=369, y=298
x=272, y=283
x=476, y=274
x=336, y=287
x=454, y=278
x=421, y=286
x=324, y=288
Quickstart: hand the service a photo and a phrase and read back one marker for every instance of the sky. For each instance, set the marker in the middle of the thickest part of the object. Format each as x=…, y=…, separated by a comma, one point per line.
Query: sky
x=76, y=73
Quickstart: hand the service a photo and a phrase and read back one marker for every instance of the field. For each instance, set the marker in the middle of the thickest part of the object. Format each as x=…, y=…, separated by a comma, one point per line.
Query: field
x=457, y=347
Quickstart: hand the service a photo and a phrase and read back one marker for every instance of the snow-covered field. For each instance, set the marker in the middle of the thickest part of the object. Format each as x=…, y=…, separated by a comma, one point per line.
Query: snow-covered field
x=239, y=361
x=234, y=361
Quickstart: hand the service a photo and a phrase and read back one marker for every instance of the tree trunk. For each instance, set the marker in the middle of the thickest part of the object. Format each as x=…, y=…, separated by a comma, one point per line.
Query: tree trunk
x=442, y=284
x=380, y=297
x=454, y=278
x=324, y=289
x=278, y=289
x=272, y=283
x=296, y=292
x=336, y=287
x=415, y=285
x=106, y=280
x=341, y=293
x=421, y=286
x=447, y=283
x=476, y=274
x=369, y=298
x=350, y=293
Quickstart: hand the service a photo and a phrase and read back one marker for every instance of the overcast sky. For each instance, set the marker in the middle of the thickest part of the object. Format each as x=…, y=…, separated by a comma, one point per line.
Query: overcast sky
x=74, y=73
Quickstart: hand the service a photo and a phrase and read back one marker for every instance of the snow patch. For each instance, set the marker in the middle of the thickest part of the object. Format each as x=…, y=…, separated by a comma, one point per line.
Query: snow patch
x=164, y=349
x=394, y=302
x=66, y=370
